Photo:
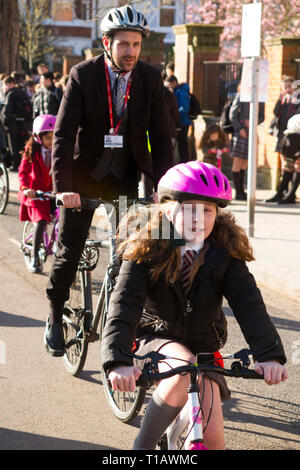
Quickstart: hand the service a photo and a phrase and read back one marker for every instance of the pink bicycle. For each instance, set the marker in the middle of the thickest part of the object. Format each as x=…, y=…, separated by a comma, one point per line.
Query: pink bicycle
x=50, y=235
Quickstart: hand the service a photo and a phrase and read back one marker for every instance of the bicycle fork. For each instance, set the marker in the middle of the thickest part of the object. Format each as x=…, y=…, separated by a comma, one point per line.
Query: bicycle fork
x=189, y=418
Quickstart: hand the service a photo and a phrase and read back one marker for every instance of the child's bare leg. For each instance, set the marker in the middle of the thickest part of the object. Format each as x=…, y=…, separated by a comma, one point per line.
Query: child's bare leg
x=174, y=390
x=214, y=434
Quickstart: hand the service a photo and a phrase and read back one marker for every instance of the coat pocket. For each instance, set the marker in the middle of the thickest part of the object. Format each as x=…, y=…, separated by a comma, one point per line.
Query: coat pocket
x=220, y=330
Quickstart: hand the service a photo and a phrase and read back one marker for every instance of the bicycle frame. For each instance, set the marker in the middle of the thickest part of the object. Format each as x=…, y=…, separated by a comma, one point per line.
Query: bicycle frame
x=49, y=241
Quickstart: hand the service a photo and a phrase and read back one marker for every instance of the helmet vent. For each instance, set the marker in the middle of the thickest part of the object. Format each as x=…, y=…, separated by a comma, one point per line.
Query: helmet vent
x=203, y=177
x=129, y=13
x=217, y=181
x=110, y=17
x=120, y=15
x=226, y=185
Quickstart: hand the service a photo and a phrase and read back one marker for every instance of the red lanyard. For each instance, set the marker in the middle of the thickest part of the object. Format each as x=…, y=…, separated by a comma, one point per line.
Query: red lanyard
x=110, y=104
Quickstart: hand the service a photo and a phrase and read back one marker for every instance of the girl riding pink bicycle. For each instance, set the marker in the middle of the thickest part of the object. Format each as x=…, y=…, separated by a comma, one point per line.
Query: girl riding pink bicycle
x=34, y=174
x=168, y=298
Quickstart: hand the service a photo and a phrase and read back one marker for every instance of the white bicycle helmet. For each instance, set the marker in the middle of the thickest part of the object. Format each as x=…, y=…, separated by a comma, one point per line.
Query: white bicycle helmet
x=125, y=18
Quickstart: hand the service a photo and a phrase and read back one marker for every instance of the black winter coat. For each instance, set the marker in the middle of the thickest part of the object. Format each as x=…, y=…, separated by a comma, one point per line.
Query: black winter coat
x=137, y=308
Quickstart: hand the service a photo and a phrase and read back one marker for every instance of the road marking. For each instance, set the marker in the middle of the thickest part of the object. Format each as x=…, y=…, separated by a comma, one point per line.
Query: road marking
x=15, y=242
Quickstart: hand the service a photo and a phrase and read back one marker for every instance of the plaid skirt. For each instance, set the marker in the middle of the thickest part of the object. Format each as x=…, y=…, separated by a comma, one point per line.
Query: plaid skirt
x=239, y=147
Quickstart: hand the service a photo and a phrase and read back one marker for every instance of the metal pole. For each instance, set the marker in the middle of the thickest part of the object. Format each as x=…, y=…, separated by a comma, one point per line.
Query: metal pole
x=252, y=149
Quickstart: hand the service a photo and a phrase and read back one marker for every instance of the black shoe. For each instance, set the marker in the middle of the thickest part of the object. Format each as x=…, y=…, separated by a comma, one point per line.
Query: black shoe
x=291, y=199
x=54, y=339
x=241, y=197
x=276, y=198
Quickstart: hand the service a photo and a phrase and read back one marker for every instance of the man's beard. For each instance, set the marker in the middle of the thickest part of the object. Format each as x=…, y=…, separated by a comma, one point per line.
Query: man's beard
x=126, y=66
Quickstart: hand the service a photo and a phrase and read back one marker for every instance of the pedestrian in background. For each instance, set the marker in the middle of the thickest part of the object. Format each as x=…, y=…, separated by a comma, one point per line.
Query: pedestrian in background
x=47, y=99
x=34, y=173
x=289, y=147
x=214, y=145
x=286, y=106
x=239, y=117
x=16, y=116
x=182, y=94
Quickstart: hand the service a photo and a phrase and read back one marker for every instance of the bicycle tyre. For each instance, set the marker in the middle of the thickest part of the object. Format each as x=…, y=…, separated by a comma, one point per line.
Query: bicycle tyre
x=73, y=326
x=26, y=245
x=124, y=405
x=4, y=187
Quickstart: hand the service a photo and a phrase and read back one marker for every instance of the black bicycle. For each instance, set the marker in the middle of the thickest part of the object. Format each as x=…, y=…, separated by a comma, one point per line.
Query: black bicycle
x=81, y=320
x=4, y=184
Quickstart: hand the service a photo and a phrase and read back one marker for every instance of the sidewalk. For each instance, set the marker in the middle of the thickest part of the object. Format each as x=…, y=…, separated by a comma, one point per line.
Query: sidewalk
x=276, y=241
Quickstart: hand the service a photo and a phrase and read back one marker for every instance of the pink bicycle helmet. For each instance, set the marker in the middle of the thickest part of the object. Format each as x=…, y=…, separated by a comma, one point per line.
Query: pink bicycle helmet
x=43, y=123
x=195, y=180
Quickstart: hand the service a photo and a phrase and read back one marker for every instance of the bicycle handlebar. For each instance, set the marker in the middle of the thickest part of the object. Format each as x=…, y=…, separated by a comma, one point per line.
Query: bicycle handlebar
x=148, y=377
x=239, y=369
x=89, y=203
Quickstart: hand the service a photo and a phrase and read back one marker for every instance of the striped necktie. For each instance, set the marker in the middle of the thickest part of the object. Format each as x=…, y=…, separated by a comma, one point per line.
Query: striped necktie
x=187, y=263
x=118, y=95
x=47, y=160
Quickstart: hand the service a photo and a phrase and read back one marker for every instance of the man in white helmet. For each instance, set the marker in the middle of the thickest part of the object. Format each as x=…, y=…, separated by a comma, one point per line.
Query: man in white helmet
x=100, y=145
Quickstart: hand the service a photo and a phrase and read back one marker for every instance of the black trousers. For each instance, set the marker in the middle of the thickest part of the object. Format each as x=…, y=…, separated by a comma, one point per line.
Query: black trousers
x=16, y=144
x=73, y=232
x=183, y=147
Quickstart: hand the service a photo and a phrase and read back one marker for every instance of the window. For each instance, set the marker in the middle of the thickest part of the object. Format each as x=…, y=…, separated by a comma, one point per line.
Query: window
x=167, y=12
x=84, y=9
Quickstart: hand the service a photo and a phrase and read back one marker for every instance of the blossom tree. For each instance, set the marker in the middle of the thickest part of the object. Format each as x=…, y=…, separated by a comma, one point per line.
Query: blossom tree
x=279, y=18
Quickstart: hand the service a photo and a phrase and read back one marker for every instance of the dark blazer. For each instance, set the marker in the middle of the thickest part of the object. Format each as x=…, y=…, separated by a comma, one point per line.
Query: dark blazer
x=83, y=120
x=138, y=308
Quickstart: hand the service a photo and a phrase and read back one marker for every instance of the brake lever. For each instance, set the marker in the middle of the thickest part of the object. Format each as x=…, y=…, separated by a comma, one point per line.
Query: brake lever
x=243, y=355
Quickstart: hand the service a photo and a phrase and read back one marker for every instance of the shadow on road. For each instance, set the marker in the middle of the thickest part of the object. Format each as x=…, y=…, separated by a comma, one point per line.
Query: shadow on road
x=19, y=440
x=10, y=319
x=269, y=415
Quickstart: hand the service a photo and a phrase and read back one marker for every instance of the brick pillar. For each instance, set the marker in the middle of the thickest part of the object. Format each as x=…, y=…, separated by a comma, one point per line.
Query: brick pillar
x=195, y=43
x=280, y=53
x=153, y=50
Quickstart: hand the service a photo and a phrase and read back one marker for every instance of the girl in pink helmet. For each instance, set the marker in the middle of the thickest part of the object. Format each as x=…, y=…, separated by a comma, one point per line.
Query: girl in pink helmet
x=34, y=173
x=160, y=305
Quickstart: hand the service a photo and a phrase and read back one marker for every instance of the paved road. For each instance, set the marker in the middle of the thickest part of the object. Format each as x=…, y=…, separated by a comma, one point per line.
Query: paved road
x=42, y=407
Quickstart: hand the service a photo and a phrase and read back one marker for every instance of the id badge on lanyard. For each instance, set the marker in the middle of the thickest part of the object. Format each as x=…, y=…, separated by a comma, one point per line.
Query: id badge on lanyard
x=113, y=140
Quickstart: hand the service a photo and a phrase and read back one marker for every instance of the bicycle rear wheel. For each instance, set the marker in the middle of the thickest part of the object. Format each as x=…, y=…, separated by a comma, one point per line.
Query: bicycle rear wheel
x=76, y=339
x=125, y=405
x=4, y=187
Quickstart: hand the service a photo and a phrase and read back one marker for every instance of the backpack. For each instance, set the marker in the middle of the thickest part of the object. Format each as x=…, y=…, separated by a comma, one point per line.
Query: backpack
x=195, y=109
x=225, y=122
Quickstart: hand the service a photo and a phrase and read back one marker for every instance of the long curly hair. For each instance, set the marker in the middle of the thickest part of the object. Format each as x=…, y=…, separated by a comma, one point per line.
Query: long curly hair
x=205, y=141
x=148, y=243
x=31, y=147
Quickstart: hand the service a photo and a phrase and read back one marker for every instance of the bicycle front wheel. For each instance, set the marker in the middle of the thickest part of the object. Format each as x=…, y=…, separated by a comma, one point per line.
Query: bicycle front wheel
x=76, y=339
x=124, y=405
x=27, y=248
x=4, y=187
